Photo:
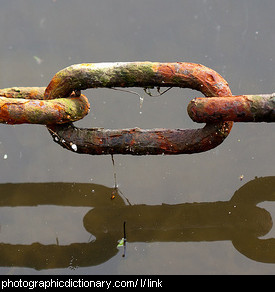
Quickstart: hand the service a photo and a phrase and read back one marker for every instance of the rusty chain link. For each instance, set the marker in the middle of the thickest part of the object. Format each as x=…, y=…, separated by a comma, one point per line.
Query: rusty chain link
x=241, y=108
x=61, y=103
x=20, y=105
x=138, y=141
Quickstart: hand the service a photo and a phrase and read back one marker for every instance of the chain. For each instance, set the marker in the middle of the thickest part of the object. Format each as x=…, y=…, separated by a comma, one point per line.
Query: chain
x=138, y=141
x=61, y=103
x=20, y=105
x=241, y=108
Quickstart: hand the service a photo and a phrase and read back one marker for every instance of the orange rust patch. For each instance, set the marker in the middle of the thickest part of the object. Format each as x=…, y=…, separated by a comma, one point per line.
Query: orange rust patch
x=4, y=112
x=166, y=70
x=13, y=114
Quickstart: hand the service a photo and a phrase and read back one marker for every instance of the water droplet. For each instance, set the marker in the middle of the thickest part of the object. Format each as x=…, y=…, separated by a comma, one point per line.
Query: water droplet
x=141, y=99
x=74, y=147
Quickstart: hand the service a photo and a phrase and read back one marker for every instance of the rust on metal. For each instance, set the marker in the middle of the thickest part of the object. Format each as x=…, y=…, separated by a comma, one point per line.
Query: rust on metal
x=20, y=105
x=137, y=141
x=241, y=108
x=136, y=74
x=97, y=141
x=23, y=92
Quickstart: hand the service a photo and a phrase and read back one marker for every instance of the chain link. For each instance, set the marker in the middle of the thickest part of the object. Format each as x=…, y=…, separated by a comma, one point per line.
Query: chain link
x=61, y=103
x=20, y=105
x=241, y=108
x=138, y=141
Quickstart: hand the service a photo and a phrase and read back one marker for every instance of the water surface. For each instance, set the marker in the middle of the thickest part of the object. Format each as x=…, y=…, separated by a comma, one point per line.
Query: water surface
x=60, y=202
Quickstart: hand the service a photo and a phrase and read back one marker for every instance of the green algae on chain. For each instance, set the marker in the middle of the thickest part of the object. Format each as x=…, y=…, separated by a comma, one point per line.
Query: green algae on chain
x=137, y=141
x=104, y=75
x=23, y=92
x=20, y=105
x=241, y=108
x=136, y=74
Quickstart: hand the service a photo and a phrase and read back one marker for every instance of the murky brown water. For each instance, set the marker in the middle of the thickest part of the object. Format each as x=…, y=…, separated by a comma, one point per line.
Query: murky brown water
x=187, y=214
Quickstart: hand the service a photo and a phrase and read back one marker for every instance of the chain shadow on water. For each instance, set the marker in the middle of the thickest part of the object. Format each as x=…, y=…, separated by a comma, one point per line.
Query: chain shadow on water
x=239, y=220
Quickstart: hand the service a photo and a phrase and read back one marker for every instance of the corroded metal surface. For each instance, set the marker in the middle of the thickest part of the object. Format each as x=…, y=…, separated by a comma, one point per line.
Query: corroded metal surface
x=241, y=108
x=20, y=105
x=137, y=141
x=136, y=74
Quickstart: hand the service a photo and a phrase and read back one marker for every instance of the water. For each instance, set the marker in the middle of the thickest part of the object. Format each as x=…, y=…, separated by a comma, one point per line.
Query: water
x=56, y=199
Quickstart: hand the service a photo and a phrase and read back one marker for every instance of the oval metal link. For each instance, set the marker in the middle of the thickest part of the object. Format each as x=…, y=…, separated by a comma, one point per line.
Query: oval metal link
x=241, y=108
x=137, y=141
x=21, y=105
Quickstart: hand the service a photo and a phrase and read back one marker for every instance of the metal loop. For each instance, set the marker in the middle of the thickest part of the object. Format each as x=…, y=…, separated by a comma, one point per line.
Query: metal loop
x=241, y=108
x=137, y=141
x=20, y=105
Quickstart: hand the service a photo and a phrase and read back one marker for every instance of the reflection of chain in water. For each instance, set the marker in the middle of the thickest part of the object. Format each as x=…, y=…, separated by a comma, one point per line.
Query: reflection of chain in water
x=239, y=220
